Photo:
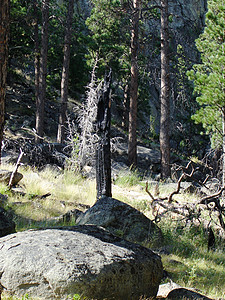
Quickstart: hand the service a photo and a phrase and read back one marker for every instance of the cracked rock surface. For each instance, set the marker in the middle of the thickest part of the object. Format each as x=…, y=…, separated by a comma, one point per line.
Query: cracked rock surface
x=86, y=260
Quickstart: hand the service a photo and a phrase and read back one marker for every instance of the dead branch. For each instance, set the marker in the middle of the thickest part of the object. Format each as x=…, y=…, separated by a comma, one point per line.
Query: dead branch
x=16, y=168
x=184, y=175
x=189, y=211
x=148, y=192
x=211, y=198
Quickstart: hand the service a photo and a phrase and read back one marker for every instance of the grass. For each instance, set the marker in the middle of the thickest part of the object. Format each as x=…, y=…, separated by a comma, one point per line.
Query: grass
x=190, y=264
x=128, y=179
x=185, y=258
x=67, y=190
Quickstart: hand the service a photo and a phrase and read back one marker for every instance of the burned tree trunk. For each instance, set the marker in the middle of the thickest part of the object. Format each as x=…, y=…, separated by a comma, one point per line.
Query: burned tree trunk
x=103, y=155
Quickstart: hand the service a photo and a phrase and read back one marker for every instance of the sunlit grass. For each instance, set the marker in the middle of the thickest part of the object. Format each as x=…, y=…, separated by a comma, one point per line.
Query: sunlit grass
x=190, y=264
x=128, y=178
x=46, y=194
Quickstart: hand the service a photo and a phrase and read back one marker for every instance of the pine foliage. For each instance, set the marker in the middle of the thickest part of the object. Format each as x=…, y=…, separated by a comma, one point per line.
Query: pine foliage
x=209, y=76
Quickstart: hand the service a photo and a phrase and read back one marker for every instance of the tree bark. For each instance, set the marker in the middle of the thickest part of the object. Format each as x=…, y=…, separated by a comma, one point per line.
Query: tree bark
x=165, y=93
x=103, y=153
x=4, y=26
x=125, y=106
x=40, y=103
x=223, y=149
x=132, y=137
x=36, y=50
x=65, y=74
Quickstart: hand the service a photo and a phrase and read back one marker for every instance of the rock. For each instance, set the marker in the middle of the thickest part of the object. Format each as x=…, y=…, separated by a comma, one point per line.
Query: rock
x=121, y=219
x=84, y=260
x=173, y=291
x=3, y=198
x=69, y=216
x=182, y=293
x=165, y=289
x=5, y=177
x=7, y=225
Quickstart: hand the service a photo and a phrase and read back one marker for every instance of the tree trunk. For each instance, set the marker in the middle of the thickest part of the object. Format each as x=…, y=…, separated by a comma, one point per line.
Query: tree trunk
x=165, y=93
x=223, y=148
x=132, y=138
x=103, y=153
x=4, y=24
x=65, y=74
x=125, y=106
x=40, y=103
x=36, y=50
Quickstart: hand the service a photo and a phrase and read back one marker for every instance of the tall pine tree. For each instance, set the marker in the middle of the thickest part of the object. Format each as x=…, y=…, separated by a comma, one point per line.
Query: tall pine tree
x=209, y=76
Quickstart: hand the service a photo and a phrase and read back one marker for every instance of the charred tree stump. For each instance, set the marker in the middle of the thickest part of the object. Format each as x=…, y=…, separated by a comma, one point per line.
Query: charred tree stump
x=103, y=154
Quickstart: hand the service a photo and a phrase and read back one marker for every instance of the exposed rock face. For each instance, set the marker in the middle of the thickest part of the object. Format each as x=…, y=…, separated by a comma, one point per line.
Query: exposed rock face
x=84, y=260
x=121, y=219
x=5, y=177
x=7, y=225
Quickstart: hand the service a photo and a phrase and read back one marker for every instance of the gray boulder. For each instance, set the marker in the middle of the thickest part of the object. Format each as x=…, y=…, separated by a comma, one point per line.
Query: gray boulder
x=7, y=225
x=123, y=220
x=5, y=177
x=173, y=291
x=86, y=260
x=182, y=293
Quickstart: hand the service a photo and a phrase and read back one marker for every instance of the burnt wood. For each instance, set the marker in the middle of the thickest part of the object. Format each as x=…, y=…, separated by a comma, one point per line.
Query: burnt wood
x=103, y=154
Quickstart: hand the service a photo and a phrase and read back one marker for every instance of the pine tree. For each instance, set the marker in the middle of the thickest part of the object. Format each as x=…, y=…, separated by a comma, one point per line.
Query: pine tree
x=165, y=93
x=132, y=137
x=65, y=73
x=4, y=24
x=209, y=76
x=40, y=101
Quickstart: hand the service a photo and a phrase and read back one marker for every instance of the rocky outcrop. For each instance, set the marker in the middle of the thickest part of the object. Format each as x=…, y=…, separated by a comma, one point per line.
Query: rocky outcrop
x=85, y=260
x=121, y=219
x=7, y=225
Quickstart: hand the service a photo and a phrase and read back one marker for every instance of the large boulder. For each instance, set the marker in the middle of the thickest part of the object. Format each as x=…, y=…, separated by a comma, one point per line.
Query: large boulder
x=123, y=220
x=7, y=225
x=86, y=260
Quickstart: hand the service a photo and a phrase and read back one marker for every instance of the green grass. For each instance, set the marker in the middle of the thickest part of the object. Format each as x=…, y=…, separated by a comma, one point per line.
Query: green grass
x=67, y=190
x=190, y=264
x=128, y=179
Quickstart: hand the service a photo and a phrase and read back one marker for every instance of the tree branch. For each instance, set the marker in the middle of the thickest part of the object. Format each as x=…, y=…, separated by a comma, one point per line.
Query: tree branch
x=184, y=175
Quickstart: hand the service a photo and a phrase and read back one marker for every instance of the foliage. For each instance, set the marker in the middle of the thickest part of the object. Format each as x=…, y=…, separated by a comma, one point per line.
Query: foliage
x=209, y=76
x=22, y=43
x=109, y=36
